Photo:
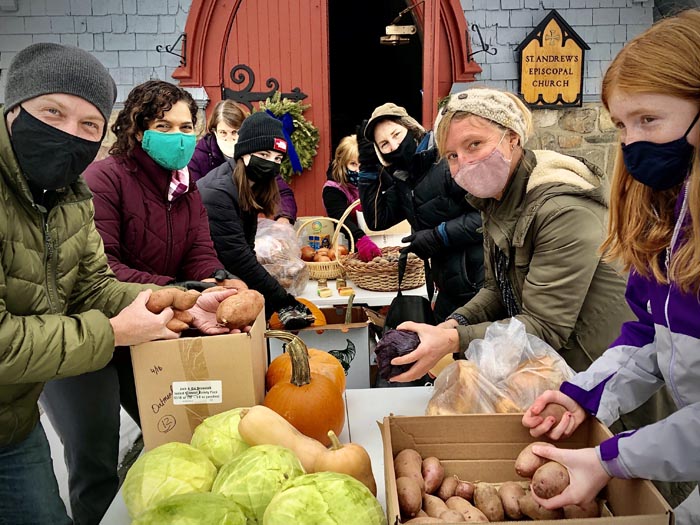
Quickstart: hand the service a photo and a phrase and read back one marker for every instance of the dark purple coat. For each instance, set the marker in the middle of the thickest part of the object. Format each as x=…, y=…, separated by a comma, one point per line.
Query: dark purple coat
x=147, y=238
x=207, y=156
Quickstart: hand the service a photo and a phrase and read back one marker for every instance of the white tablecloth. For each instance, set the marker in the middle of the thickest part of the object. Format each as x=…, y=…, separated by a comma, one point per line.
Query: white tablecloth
x=362, y=296
x=365, y=407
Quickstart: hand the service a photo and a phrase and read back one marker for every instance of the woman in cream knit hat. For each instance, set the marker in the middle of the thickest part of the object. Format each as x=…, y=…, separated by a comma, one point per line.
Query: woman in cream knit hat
x=544, y=219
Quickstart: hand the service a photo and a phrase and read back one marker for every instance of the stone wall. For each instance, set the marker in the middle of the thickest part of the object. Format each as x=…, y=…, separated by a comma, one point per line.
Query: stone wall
x=584, y=132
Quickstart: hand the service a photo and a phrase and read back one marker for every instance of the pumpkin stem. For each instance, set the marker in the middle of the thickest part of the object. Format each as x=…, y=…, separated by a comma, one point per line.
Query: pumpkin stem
x=298, y=354
x=335, y=442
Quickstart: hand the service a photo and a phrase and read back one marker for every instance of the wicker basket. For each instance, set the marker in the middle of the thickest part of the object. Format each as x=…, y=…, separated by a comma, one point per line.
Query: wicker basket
x=382, y=274
x=327, y=269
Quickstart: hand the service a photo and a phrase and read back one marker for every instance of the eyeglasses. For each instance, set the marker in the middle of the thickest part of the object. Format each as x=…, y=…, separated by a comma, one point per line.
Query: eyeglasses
x=223, y=134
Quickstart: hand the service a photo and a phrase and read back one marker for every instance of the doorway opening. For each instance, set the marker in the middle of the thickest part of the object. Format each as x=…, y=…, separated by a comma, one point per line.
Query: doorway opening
x=364, y=73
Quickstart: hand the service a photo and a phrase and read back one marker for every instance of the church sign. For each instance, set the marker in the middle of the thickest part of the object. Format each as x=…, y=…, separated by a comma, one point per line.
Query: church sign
x=551, y=65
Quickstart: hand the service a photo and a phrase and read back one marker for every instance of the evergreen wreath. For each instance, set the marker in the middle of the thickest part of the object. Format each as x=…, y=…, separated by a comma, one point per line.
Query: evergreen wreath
x=304, y=138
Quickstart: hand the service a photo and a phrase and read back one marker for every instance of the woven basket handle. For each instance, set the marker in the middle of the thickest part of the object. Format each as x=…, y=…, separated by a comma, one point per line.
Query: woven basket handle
x=341, y=221
x=339, y=224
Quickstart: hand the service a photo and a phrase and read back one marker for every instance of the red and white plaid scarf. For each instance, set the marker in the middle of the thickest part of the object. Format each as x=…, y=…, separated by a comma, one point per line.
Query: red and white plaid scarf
x=179, y=183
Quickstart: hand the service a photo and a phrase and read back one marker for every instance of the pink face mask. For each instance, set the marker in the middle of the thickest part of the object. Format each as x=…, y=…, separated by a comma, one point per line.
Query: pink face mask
x=485, y=178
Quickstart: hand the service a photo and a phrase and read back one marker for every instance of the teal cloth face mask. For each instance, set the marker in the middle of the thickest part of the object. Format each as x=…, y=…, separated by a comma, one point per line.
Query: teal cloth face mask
x=173, y=151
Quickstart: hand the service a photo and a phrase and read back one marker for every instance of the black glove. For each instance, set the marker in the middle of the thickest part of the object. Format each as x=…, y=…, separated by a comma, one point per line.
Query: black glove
x=200, y=286
x=367, y=155
x=222, y=274
x=295, y=316
x=424, y=243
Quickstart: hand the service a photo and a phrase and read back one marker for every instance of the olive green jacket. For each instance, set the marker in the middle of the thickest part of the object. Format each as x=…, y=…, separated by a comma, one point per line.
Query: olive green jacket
x=551, y=222
x=56, y=293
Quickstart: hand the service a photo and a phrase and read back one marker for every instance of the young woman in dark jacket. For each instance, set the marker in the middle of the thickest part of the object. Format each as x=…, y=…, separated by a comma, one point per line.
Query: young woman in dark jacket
x=401, y=177
x=219, y=143
x=235, y=194
x=155, y=230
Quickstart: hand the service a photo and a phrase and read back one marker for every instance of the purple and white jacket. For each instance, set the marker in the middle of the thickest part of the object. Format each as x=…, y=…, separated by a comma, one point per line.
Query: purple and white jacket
x=661, y=347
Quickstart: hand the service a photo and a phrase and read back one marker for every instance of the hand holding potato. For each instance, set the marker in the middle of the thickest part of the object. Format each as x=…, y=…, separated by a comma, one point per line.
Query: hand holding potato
x=204, y=313
x=540, y=422
x=135, y=324
x=586, y=475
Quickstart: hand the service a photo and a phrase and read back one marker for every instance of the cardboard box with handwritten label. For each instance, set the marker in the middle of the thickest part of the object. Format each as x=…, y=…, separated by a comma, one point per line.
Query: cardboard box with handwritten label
x=181, y=382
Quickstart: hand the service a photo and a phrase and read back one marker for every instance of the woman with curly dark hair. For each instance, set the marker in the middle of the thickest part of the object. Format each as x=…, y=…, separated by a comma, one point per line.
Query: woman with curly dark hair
x=155, y=230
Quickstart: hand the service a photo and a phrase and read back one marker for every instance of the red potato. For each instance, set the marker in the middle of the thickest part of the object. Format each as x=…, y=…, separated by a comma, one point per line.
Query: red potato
x=534, y=510
x=550, y=479
x=433, y=506
x=408, y=463
x=584, y=510
x=410, y=496
x=424, y=519
x=510, y=492
x=470, y=512
x=487, y=501
x=465, y=489
x=447, y=487
x=528, y=462
x=433, y=473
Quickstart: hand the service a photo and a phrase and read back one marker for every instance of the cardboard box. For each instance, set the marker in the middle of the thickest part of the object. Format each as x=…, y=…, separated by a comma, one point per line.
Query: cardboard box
x=484, y=447
x=181, y=382
x=350, y=341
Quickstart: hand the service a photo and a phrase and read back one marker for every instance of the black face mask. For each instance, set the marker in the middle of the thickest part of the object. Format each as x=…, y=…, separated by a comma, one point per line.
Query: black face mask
x=402, y=156
x=50, y=158
x=353, y=177
x=261, y=170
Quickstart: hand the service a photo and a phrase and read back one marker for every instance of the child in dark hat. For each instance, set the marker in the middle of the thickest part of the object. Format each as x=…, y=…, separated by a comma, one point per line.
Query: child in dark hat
x=235, y=194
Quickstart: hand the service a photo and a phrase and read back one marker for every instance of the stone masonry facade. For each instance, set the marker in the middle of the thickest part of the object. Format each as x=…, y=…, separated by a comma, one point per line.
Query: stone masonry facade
x=123, y=35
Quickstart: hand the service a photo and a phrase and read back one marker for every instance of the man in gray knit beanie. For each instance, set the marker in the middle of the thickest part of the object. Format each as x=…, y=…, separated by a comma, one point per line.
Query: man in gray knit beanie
x=63, y=311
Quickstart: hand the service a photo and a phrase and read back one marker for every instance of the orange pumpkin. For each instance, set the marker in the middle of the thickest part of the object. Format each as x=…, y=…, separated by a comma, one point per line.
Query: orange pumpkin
x=320, y=362
x=311, y=402
x=319, y=318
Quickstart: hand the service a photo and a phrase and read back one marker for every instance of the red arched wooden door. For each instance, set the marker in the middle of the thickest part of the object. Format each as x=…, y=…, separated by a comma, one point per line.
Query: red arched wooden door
x=288, y=41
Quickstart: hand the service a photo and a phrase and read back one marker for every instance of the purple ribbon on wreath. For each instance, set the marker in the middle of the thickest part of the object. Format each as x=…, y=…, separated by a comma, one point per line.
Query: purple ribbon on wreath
x=287, y=130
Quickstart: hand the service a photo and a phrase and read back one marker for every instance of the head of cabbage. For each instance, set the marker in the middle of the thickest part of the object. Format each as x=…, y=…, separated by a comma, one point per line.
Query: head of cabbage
x=167, y=470
x=217, y=436
x=253, y=477
x=324, y=498
x=196, y=508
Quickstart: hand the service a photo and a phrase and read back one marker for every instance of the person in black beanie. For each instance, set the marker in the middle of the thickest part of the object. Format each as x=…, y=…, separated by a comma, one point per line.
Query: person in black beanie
x=235, y=194
x=62, y=311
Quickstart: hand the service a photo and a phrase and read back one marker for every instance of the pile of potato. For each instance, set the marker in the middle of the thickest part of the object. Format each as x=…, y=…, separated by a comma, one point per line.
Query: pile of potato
x=426, y=495
x=308, y=254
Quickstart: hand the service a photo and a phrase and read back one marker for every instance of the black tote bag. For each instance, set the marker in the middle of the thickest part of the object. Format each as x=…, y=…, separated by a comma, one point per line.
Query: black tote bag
x=410, y=307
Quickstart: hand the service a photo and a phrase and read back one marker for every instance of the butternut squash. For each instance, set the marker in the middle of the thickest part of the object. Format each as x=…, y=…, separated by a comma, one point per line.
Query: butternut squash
x=351, y=459
x=260, y=425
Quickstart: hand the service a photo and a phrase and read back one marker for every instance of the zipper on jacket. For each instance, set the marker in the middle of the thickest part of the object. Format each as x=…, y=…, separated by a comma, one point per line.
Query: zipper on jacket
x=49, y=264
x=674, y=239
x=169, y=244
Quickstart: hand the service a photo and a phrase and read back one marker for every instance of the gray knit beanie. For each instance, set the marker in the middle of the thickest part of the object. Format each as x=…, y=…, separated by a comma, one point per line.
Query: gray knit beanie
x=390, y=111
x=260, y=132
x=44, y=68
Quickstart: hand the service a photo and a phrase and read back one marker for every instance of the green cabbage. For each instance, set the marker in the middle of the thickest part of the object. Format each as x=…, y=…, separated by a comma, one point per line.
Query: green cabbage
x=324, y=498
x=253, y=477
x=167, y=470
x=195, y=508
x=217, y=436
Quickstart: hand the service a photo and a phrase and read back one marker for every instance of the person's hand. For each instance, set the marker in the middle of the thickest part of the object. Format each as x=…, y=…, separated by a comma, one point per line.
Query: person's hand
x=435, y=342
x=367, y=250
x=135, y=324
x=424, y=243
x=283, y=220
x=586, y=475
x=367, y=155
x=204, y=312
x=449, y=323
x=200, y=286
x=295, y=315
x=553, y=426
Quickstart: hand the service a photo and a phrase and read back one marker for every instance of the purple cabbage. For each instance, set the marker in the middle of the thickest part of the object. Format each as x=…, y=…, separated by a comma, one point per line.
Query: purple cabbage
x=393, y=344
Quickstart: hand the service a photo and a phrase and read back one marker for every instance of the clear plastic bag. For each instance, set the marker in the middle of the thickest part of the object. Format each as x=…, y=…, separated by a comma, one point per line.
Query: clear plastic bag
x=504, y=372
x=279, y=252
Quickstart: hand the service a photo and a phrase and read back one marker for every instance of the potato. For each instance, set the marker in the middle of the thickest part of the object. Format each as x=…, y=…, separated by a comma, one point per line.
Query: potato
x=452, y=516
x=176, y=325
x=534, y=510
x=510, y=492
x=408, y=463
x=423, y=519
x=185, y=300
x=433, y=505
x=433, y=473
x=241, y=309
x=410, y=496
x=553, y=409
x=161, y=299
x=470, y=512
x=487, y=501
x=465, y=489
x=550, y=479
x=528, y=462
x=584, y=510
x=447, y=487
x=183, y=315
